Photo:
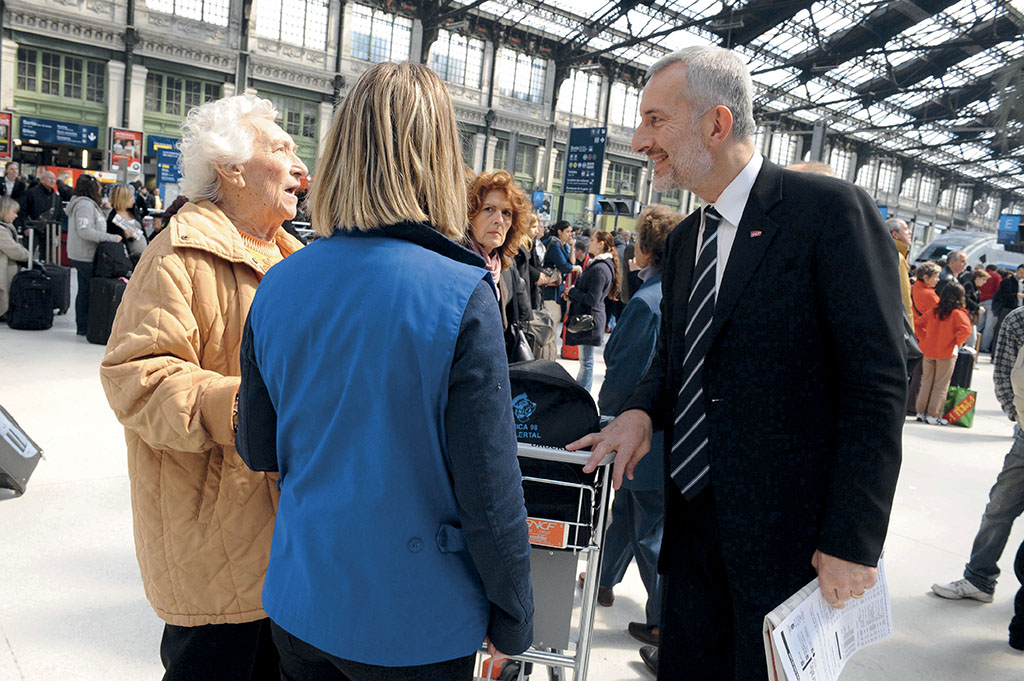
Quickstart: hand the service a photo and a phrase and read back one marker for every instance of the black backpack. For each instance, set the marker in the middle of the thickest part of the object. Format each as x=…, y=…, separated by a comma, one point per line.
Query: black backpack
x=31, y=301
x=111, y=260
x=552, y=410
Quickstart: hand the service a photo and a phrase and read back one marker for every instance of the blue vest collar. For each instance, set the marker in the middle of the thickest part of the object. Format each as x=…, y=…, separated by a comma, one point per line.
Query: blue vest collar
x=422, y=235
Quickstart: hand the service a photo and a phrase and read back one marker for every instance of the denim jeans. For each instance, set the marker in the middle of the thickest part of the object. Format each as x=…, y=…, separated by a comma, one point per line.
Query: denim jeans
x=638, y=521
x=988, y=327
x=1005, y=504
x=586, y=375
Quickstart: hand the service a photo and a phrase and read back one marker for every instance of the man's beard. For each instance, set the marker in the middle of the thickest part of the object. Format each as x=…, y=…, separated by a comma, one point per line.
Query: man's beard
x=689, y=168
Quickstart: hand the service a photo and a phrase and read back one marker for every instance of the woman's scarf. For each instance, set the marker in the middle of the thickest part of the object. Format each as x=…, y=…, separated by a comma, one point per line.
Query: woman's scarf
x=492, y=261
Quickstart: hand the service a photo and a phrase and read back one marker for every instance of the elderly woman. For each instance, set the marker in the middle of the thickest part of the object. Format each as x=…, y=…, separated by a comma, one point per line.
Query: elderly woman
x=86, y=228
x=384, y=402
x=499, y=223
x=203, y=521
x=638, y=512
x=11, y=251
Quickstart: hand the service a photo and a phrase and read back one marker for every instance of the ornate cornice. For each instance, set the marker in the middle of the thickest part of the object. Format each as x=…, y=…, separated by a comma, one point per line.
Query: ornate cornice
x=292, y=53
x=176, y=26
x=66, y=27
x=288, y=75
x=186, y=54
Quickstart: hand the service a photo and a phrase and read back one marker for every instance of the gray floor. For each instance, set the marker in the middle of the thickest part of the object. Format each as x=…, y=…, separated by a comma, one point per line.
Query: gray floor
x=73, y=605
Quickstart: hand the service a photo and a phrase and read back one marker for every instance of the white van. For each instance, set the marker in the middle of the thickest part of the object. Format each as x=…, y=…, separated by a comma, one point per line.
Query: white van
x=980, y=248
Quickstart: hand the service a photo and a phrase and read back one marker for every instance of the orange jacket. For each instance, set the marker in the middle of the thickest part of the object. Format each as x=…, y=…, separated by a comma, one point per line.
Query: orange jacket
x=940, y=337
x=924, y=299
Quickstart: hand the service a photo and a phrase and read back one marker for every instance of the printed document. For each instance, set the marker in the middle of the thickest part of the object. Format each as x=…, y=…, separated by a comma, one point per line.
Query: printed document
x=806, y=639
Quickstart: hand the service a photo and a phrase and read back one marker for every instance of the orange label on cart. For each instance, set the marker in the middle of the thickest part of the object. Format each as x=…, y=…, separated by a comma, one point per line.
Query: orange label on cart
x=548, y=533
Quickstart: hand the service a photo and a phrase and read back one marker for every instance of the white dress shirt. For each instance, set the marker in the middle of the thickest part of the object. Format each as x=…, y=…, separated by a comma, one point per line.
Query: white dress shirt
x=730, y=206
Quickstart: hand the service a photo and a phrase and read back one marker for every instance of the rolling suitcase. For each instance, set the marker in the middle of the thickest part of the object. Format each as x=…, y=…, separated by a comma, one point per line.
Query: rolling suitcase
x=30, y=304
x=18, y=454
x=963, y=371
x=61, y=278
x=104, y=298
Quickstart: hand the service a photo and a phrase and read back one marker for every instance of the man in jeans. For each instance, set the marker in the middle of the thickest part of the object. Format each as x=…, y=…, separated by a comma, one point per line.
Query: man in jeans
x=1006, y=500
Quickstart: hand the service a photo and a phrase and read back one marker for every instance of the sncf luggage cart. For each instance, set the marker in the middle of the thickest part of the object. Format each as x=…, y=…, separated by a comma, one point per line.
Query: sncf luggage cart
x=567, y=512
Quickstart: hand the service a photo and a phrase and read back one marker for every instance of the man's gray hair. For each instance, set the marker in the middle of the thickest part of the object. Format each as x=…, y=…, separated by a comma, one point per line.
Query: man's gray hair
x=896, y=224
x=218, y=133
x=715, y=76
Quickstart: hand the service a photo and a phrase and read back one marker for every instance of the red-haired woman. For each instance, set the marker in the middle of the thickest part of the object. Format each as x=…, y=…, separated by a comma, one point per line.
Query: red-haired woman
x=499, y=222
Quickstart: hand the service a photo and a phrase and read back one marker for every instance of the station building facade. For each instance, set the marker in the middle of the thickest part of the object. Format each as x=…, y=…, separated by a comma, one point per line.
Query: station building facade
x=142, y=64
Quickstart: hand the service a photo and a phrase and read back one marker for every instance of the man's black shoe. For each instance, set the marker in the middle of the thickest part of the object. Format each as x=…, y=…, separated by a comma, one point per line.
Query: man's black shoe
x=643, y=633
x=649, y=654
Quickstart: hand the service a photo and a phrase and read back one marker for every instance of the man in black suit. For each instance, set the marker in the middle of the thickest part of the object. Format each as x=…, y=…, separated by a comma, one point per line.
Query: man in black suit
x=779, y=377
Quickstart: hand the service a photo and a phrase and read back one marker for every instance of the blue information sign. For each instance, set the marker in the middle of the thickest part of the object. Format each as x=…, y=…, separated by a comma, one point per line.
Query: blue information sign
x=58, y=132
x=167, y=171
x=584, y=161
x=154, y=143
x=1009, y=229
x=884, y=210
x=538, y=198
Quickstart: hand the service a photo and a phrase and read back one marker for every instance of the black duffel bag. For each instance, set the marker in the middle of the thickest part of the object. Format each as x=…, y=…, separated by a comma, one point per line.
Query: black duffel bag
x=552, y=410
x=111, y=260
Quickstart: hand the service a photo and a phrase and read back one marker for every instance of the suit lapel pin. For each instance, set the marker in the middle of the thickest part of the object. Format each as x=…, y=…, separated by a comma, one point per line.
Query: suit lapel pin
x=755, y=233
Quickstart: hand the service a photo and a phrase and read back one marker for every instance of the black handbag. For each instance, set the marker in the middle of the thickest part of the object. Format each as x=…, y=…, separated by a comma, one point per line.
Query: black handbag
x=913, y=349
x=519, y=348
x=580, y=323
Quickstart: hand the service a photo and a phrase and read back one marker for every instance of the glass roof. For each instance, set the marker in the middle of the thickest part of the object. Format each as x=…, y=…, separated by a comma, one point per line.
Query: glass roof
x=812, y=60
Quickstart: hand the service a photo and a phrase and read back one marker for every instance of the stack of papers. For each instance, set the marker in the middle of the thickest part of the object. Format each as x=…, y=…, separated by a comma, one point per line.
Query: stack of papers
x=806, y=639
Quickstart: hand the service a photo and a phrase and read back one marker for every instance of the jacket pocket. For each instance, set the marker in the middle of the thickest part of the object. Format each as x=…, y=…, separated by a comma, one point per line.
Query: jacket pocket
x=211, y=486
x=450, y=539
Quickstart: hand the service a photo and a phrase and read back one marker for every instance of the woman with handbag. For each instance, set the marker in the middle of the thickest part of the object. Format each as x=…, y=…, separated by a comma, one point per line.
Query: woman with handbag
x=587, y=316
x=499, y=222
x=561, y=258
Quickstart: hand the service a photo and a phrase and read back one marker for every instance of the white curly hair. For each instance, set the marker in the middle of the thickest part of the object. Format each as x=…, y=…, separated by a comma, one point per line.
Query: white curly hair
x=218, y=133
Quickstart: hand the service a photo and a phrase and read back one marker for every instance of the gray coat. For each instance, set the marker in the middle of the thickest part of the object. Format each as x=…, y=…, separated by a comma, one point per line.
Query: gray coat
x=87, y=226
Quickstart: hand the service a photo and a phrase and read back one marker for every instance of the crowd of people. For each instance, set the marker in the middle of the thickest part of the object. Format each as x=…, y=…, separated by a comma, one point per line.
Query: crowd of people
x=331, y=491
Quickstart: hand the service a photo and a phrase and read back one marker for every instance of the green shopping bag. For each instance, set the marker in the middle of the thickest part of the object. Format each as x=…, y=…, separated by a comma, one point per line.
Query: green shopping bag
x=960, y=406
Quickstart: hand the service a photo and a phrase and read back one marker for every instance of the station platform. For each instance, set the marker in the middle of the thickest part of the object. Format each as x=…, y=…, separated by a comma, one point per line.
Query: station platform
x=73, y=606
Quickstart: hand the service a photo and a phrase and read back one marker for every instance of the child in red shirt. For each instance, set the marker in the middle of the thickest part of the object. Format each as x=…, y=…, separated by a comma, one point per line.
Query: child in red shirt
x=944, y=328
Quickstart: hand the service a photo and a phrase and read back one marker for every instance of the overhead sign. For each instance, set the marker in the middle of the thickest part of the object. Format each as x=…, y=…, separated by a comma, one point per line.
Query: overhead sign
x=154, y=143
x=584, y=160
x=1009, y=229
x=168, y=174
x=6, y=126
x=125, y=149
x=58, y=132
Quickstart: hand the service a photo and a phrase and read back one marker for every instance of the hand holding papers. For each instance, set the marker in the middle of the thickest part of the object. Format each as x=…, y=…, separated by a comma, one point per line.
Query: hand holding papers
x=806, y=639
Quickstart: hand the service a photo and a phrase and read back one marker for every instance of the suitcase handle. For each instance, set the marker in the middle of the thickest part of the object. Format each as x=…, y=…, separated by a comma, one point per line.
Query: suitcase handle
x=560, y=455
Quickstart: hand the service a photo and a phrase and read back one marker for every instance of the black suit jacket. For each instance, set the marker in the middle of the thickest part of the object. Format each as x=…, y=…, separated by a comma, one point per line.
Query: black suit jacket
x=804, y=381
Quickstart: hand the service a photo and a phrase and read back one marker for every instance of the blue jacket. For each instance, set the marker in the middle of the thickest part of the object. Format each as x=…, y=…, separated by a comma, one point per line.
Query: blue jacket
x=558, y=256
x=375, y=363
x=627, y=355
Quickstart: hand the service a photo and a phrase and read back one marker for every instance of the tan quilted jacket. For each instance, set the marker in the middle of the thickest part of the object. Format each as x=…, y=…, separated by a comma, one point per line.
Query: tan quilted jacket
x=203, y=521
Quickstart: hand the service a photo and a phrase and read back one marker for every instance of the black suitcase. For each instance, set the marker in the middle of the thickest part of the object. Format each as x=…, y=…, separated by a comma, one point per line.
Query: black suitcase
x=61, y=278
x=963, y=371
x=30, y=304
x=18, y=454
x=111, y=260
x=552, y=410
x=104, y=298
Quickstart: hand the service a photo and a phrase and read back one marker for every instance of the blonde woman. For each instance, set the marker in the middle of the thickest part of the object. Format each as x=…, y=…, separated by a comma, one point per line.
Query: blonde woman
x=121, y=220
x=11, y=251
x=383, y=400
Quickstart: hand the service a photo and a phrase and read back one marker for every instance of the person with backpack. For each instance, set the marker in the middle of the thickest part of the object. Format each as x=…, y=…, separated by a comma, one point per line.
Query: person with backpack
x=87, y=227
x=942, y=331
x=599, y=281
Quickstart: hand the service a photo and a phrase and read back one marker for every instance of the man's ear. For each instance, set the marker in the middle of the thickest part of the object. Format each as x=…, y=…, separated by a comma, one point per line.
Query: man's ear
x=719, y=121
x=231, y=174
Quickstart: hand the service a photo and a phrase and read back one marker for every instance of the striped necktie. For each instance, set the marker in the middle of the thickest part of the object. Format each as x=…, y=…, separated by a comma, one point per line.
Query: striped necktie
x=689, y=460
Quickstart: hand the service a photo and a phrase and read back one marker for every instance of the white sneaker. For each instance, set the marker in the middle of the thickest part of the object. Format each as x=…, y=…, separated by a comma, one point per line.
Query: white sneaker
x=961, y=588
x=931, y=420
x=920, y=416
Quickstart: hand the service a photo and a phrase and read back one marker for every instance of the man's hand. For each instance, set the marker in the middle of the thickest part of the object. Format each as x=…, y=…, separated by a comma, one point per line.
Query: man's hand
x=496, y=655
x=840, y=580
x=629, y=436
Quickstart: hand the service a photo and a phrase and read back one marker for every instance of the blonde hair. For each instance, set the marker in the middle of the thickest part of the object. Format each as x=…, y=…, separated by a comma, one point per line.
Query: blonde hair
x=122, y=196
x=6, y=204
x=392, y=155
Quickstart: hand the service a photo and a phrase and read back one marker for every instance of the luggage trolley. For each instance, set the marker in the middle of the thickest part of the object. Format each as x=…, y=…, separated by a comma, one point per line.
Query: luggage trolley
x=567, y=514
